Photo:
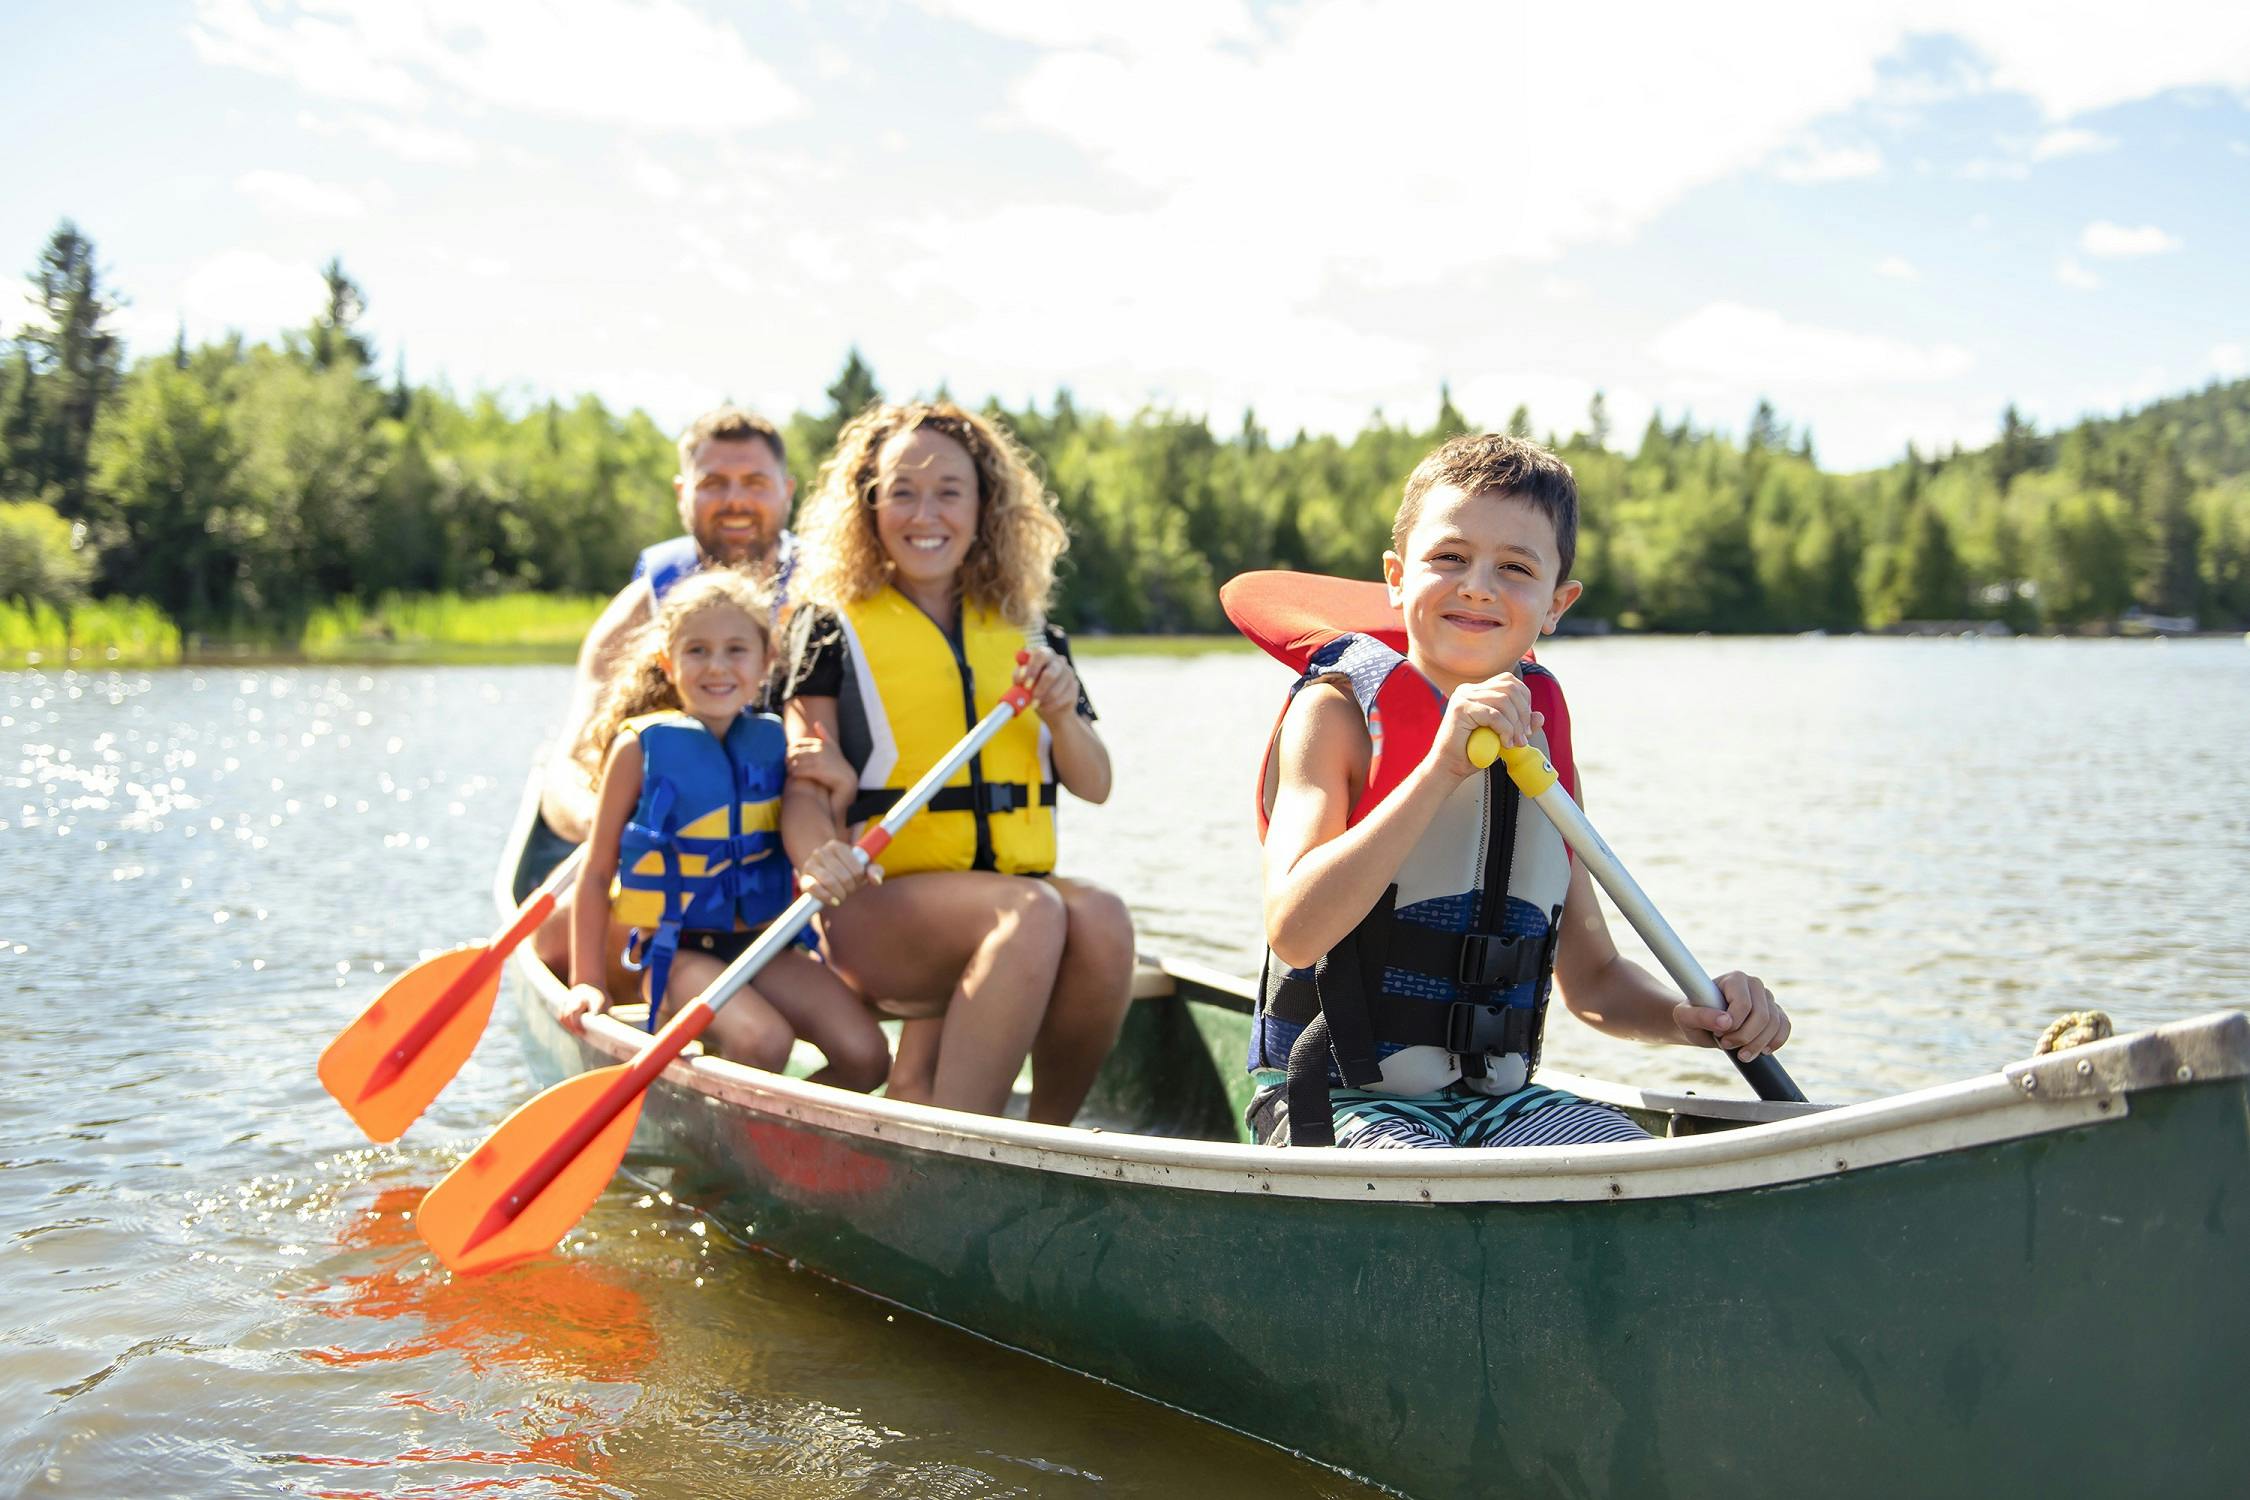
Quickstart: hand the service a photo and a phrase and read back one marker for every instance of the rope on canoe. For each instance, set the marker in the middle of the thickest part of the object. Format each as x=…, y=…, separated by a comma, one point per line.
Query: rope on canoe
x=2073, y=1029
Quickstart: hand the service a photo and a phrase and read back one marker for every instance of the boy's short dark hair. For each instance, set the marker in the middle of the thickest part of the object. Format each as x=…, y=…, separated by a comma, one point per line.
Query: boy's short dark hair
x=729, y=424
x=1479, y=461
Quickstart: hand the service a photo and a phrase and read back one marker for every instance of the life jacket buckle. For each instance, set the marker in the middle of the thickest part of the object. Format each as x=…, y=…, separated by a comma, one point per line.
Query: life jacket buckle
x=1005, y=796
x=1490, y=961
x=1473, y=1030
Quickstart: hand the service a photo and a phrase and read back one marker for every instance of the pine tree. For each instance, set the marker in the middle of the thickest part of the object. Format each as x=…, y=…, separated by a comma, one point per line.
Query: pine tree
x=334, y=339
x=1519, y=422
x=1597, y=421
x=75, y=364
x=1450, y=422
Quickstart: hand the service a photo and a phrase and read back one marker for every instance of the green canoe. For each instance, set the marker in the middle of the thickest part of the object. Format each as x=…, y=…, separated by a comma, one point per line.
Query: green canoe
x=2028, y=1283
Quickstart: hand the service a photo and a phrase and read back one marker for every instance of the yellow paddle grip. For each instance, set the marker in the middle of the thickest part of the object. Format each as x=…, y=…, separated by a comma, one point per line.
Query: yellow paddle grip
x=1527, y=768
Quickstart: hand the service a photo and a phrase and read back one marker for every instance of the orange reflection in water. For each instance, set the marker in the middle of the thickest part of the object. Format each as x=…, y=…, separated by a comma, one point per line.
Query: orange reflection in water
x=568, y=1318
x=565, y=1319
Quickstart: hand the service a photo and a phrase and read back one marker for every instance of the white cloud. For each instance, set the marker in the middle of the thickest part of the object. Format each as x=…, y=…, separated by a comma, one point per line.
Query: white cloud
x=1897, y=268
x=250, y=291
x=1143, y=26
x=1759, y=346
x=652, y=176
x=2116, y=241
x=418, y=143
x=2074, y=60
x=1816, y=163
x=1558, y=403
x=1990, y=169
x=647, y=64
x=2229, y=360
x=2070, y=141
x=287, y=195
x=2071, y=274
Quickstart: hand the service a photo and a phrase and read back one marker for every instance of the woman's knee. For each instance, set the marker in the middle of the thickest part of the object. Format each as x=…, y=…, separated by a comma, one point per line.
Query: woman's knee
x=1101, y=929
x=1035, y=912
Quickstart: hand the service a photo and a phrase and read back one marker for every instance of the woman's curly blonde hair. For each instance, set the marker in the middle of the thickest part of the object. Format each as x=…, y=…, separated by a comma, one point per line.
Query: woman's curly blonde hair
x=1010, y=565
x=637, y=684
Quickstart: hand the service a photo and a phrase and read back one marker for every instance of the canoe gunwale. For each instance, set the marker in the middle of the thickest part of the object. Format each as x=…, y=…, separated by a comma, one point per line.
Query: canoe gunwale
x=1810, y=1144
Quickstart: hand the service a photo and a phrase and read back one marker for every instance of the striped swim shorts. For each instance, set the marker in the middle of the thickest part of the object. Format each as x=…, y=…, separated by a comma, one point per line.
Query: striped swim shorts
x=1454, y=1116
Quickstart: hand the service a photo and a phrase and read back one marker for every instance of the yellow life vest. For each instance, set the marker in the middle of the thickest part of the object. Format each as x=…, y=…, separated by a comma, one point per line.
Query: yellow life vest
x=917, y=692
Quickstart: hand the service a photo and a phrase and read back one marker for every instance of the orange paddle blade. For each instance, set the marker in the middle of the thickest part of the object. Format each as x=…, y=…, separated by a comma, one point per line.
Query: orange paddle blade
x=468, y=1218
x=406, y=1046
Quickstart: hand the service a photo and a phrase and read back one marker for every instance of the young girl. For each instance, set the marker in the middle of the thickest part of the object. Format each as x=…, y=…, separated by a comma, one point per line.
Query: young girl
x=685, y=848
x=929, y=559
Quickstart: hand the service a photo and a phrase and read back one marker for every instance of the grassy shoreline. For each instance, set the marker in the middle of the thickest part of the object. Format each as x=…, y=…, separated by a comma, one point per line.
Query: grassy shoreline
x=397, y=630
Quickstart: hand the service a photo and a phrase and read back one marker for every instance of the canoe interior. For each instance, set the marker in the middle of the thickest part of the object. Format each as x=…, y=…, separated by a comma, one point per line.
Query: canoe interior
x=1177, y=1070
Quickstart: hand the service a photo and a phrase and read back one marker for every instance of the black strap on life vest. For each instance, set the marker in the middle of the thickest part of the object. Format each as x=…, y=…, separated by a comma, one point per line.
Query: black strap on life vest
x=1347, y=1012
x=984, y=799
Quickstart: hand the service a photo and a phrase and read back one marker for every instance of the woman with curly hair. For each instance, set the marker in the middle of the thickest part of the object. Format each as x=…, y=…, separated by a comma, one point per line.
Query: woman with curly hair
x=930, y=554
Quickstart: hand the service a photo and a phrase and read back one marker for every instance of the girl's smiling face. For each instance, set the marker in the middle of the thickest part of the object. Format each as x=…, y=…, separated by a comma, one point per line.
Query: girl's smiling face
x=715, y=661
x=1479, y=582
x=925, y=508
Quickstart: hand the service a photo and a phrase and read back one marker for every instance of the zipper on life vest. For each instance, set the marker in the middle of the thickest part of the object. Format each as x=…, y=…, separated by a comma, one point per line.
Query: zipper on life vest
x=954, y=638
x=735, y=789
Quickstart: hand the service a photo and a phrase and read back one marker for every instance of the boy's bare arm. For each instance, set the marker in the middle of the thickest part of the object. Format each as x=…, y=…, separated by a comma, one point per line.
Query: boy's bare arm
x=1322, y=877
x=1614, y=995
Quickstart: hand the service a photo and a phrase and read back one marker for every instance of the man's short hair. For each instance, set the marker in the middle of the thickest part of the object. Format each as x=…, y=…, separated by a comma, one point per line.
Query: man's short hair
x=729, y=424
x=1479, y=461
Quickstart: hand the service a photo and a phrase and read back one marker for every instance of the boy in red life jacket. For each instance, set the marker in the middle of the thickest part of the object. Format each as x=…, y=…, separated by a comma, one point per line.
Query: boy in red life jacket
x=1416, y=908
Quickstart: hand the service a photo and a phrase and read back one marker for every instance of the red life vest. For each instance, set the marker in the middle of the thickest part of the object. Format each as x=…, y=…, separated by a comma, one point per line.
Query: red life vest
x=1293, y=615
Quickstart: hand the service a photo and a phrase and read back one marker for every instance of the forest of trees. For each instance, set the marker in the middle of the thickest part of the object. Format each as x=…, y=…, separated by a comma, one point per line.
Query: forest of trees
x=239, y=486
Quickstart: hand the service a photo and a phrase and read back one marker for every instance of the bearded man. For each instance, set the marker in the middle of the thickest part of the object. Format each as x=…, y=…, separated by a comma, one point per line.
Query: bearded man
x=734, y=495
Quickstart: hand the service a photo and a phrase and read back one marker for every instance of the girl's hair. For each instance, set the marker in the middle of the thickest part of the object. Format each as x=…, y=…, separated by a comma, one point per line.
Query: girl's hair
x=1010, y=565
x=637, y=685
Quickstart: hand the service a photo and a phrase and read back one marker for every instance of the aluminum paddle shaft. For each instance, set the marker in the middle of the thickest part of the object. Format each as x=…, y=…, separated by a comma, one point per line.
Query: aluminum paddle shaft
x=869, y=847
x=1537, y=780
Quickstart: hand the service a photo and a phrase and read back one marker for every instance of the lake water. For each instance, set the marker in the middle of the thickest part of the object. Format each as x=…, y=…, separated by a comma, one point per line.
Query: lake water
x=207, y=1286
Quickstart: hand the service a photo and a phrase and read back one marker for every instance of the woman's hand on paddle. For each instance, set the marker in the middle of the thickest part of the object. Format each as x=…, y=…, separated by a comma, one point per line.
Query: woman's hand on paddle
x=1752, y=1025
x=815, y=759
x=583, y=1000
x=833, y=871
x=1501, y=704
x=1052, y=680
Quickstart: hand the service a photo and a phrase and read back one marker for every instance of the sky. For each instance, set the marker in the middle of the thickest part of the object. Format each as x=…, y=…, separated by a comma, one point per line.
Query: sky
x=1891, y=219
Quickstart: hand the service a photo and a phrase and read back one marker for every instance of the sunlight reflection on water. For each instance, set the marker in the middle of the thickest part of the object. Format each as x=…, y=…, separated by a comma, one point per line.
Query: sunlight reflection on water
x=1929, y=848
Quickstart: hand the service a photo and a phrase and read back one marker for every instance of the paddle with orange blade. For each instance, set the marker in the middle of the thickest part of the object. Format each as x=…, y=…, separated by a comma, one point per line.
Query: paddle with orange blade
x=520, y=1192
x=388, y=1065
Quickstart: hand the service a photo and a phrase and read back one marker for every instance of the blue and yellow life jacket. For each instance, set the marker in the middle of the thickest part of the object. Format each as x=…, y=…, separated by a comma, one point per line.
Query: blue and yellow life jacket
x=703, y=849
x=912, y=692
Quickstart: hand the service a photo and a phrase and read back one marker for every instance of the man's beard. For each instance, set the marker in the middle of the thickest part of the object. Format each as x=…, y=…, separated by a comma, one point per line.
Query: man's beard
x=752, y=546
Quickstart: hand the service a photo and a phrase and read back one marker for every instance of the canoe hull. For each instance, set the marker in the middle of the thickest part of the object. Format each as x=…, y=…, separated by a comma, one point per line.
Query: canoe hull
x=2058, y=1312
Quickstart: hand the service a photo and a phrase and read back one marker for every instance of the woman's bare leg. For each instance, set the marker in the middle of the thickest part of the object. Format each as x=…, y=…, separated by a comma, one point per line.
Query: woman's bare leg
x=914, y=1072
x=1093, y=988
x=984, y=947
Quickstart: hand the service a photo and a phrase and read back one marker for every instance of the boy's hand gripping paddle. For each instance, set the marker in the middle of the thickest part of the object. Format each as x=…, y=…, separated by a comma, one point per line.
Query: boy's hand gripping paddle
x=388, y=1065
x=520, y=1192
x=1536, y=779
